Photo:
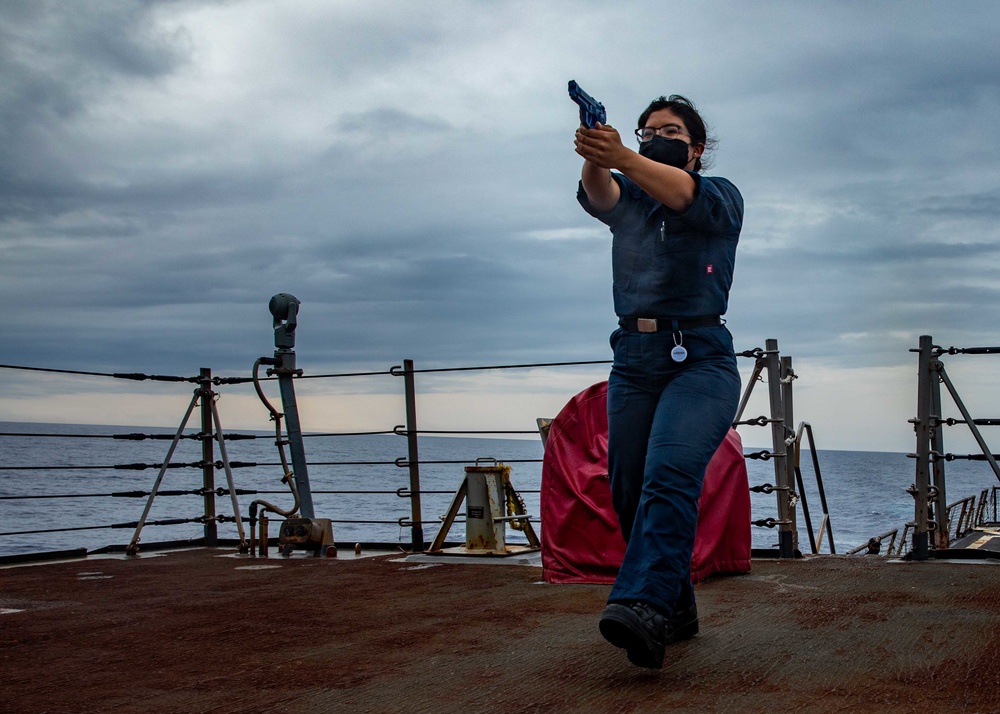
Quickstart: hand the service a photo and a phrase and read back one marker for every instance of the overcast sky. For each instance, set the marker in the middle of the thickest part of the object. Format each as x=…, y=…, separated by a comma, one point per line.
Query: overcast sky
x=406, y=169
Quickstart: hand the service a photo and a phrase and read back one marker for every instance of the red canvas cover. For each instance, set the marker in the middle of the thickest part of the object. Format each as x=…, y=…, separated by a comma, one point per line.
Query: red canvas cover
x=581, y=540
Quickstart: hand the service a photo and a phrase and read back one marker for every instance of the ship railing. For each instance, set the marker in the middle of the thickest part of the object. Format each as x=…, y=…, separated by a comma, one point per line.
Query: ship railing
x=987, y=509
x=964, y=516
x=973, y=512
x=936, y=523
x=211, y=439
x=875, y=544
x=786, y=453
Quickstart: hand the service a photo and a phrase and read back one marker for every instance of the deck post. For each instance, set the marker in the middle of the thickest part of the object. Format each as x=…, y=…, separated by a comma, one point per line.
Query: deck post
x=938, y=495
x=791, y=448
x=211, y=529
x=921, y=528
x=413, y=458
x=786, y=534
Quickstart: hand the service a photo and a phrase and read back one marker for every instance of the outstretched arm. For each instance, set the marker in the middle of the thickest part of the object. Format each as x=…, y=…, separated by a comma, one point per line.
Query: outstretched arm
x=603, y=150
x=602, y=190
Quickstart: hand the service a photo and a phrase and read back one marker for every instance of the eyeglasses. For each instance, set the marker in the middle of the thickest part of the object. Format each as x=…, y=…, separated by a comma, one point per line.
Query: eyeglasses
x=667, y=131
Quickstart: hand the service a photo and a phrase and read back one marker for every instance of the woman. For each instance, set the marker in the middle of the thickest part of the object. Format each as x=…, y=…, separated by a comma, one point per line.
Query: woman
x=674, y=386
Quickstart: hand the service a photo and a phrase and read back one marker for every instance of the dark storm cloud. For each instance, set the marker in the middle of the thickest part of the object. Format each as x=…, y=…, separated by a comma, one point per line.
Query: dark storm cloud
x=407, y=171
x=54, y=60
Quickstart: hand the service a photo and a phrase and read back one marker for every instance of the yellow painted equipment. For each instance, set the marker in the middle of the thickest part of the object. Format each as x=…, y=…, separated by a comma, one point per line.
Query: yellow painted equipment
x=491, y=502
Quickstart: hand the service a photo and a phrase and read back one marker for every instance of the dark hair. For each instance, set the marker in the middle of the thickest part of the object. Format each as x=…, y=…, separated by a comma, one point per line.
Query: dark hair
x=684, y=108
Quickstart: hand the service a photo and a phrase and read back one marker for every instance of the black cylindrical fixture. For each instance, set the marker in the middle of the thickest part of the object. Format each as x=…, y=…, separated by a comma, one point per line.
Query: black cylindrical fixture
x=211, y=529
x=417, y=529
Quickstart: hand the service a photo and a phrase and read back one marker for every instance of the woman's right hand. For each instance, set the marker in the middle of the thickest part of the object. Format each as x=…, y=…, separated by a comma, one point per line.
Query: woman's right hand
x=601, y=146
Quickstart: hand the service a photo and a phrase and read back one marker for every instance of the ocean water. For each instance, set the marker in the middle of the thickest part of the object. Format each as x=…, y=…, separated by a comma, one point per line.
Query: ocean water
x=354, y=479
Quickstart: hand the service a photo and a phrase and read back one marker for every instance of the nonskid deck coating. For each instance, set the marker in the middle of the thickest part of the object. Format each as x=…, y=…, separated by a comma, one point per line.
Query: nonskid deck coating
x=197, y=632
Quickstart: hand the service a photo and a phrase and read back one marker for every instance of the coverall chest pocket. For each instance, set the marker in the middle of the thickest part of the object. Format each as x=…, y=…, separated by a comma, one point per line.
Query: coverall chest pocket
x=671, y=236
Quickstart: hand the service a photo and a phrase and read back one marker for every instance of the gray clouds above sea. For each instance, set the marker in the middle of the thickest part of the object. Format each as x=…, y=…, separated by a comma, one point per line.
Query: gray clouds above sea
x=407, y=171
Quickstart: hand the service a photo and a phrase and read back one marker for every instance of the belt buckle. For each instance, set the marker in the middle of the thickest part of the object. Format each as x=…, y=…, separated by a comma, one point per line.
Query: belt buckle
x=646, y=324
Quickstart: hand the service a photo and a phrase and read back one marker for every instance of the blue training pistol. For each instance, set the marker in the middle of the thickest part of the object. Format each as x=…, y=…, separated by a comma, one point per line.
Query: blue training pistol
x=591, y=110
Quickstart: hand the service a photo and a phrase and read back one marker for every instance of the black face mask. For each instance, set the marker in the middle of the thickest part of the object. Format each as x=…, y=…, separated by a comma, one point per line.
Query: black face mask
x=672, y=152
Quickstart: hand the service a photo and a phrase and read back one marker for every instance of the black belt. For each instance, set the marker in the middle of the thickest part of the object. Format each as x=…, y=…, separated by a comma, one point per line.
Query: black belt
x=667, y=324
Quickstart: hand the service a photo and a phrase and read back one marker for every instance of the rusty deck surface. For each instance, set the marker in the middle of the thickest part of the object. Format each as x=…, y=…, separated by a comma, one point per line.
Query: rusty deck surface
x=202, y=631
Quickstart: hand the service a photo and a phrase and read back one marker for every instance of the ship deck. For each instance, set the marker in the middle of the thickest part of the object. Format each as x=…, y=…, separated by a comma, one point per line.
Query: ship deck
x=202, y=630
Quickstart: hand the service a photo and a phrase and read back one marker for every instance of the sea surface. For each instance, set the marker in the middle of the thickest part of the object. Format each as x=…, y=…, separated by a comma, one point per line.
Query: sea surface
x=69, y=478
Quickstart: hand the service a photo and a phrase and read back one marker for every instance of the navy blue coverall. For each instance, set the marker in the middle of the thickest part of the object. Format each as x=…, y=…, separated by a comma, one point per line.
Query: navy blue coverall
x=666, y=418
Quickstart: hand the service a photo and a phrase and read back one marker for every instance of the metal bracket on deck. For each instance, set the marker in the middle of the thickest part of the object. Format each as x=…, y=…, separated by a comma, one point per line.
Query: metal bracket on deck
x=491, y=502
